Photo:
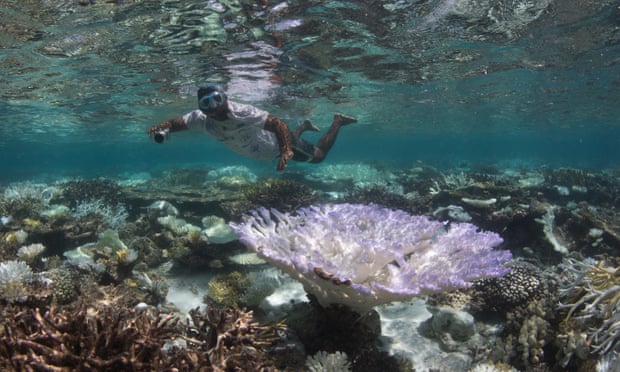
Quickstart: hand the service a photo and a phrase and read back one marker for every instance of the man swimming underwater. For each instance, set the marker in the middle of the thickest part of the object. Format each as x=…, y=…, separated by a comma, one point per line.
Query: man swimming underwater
x=250, y=131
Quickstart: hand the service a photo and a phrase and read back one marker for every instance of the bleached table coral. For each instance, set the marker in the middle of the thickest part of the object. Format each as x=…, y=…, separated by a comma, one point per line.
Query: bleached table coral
x=362, y=256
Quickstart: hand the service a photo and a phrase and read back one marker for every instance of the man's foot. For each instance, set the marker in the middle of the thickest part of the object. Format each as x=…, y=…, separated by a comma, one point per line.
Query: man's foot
x=344, y=119
x=307, y=125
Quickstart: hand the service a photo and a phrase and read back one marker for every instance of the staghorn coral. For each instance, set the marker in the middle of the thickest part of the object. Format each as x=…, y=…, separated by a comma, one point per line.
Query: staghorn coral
x=85, y=338
x=233, y=340
x=110, y=216
x=364, y=255
x=590, y=296
x=450, y=182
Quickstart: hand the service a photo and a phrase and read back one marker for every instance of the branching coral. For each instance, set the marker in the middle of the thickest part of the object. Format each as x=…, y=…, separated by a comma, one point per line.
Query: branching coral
x=108, y=338
x=112, y=216
x=591, y=298
x=18, y=284
x=232, y=339
x=86, y=339
x=364, y=255
x=26, y=199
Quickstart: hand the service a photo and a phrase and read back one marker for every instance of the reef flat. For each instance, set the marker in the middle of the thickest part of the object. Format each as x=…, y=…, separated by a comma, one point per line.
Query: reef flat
x=144, y=271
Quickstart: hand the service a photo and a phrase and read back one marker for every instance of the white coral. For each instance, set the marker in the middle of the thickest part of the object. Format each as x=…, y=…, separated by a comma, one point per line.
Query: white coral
x=249, y=258
x=30, y=252
x=363, y=256
x=592, y=292
x=263, y=284
x=323, y=361
x=547, y=220
x=15, y=272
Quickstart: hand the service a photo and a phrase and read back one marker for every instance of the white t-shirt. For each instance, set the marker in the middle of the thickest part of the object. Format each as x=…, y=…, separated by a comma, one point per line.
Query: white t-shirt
x=242, y=132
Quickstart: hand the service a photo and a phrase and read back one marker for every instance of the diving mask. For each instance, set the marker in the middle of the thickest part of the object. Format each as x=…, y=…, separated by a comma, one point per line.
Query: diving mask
x=211, y=101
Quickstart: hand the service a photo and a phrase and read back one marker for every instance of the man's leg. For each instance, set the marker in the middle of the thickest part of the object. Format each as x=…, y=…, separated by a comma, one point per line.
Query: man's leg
x=306, y=125
x=327, y=141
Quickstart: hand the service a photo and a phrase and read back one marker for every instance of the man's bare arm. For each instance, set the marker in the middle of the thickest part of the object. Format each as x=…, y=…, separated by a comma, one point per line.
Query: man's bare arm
x=283, y=134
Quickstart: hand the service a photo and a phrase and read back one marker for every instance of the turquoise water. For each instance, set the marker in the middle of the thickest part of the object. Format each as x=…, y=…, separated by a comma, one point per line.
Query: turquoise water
x=441, y=82
x=499, y=113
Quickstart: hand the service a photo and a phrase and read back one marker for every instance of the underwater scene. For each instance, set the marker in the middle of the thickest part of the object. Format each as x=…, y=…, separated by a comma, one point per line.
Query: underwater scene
x=306, y=185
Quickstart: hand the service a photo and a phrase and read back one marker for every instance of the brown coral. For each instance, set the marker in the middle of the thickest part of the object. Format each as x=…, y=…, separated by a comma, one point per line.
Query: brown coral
x=117, y=338
x=233, y=340
x=85, y=338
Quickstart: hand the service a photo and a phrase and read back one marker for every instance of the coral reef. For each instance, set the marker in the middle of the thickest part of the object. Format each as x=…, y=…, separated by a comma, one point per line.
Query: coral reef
x=526, y=298
x=285, y=195
x=348, y=176
x=356, y=255
x=381, y=196
x=105, y=191
x=109, y=256
x=232, y=177
x=364, y=255
x=23, y=200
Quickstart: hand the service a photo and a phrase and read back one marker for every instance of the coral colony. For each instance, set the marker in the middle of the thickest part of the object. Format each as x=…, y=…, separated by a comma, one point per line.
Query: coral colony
x=362, y=256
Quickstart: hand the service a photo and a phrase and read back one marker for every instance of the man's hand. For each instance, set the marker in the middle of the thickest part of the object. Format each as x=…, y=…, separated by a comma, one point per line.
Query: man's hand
x=172, y=125
x=154, y=129
x=284, y=156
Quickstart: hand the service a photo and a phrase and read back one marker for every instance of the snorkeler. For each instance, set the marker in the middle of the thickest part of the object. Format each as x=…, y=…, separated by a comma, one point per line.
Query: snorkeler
x=250, y=131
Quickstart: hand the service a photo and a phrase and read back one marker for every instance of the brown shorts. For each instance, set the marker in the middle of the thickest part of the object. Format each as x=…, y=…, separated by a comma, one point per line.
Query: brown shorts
x=302, y=150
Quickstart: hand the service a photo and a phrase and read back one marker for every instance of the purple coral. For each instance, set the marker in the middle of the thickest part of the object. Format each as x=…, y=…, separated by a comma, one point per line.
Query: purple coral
x=366, y=255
